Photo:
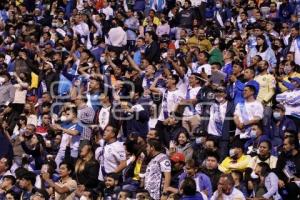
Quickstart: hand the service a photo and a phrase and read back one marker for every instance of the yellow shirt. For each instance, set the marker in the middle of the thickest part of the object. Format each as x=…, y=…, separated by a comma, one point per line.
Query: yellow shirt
x=267, y=84
x=227, y=166
x=156, y=21
x=204, y=45
x=286, y=78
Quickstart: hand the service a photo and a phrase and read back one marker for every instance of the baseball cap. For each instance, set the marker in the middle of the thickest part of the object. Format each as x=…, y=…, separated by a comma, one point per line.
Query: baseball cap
x=177, y=157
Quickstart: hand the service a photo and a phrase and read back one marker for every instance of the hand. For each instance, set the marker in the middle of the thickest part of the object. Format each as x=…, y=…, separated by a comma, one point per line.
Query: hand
x=233, y=78
x=125, y=53
x=281, y=184
x=56, y=127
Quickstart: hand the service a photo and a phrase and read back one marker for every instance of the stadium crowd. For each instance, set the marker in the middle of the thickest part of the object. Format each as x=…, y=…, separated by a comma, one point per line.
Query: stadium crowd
x=149, y=99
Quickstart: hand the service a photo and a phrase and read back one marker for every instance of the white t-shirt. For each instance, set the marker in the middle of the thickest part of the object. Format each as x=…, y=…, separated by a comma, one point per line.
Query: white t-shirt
x=198, y=68
x=235, y=195
x=170, y=101
x=294, y=48
x=214, y=115
x=192, y=95
x=110, y=157
x=104, y=117
x=246, y=112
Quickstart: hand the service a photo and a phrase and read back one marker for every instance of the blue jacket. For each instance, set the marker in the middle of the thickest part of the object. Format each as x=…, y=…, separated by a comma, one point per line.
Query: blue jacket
x=203, y=182
x=277, y=132
x=197, y=196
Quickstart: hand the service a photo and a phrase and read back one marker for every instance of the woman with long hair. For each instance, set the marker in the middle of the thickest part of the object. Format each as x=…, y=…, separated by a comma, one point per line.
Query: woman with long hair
x=86, y=169
x=264, y=50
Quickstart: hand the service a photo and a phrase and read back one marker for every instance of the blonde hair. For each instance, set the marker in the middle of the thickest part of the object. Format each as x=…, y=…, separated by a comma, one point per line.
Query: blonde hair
x=81, y=162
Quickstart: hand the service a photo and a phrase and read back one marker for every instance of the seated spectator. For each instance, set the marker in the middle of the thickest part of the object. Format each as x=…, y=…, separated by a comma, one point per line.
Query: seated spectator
x=226, y=189
x=236, y=160
x=188, y=190
x=239, y=183
x=263, y=155
x=257, y=136
x=66, y=186
x=111, y=189
x=288, y=168
x=265, y=182
x=183, y=145
x=202, y=180
x=210, y=168
x=279, y=124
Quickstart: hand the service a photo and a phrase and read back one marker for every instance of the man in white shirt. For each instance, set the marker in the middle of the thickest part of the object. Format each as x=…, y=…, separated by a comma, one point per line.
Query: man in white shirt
x=82, y=30
x=247, y=113
x=117, y=37
x=107, y=10
x=202, y=64
x=191, y=118
x=171, y=96
x=226, y=189
x=295, y=46
x=111, y=155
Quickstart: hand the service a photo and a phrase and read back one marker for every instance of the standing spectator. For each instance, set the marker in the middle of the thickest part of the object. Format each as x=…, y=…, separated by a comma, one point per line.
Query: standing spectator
x=131, y=26
x=266, y=92
x=158, y=167
x=109, y=163
x=152, y=52
x=220, y=125
x=247, y=113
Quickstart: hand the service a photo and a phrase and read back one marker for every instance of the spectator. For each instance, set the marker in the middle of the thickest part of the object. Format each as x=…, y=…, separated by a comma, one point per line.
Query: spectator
x=65, y=187
x=203, y=182
x=189, y=191
x=263, y=155
x=236, y=160
x=226, y=189
x=267, y=185
x=158, y=167
x=287, y=167
x=109, y=164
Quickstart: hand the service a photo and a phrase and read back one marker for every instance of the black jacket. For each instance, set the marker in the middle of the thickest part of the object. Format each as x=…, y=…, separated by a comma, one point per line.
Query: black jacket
x=152, y=52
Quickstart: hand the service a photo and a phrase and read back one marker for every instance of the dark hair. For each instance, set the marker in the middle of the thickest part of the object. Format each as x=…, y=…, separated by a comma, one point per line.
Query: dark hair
x=29, y=176
x=265, y=44
x=115, y=176
x=175, y=77
x=189, y=186
x=183, y=131
x=292, y=140
x=127, y=193
x=8, y=162
x=156, y=144
x=217, y=63
x=268, y=143
x=69, y=165
x=213, y=154
x=206, y=54
x=265, y=168
x=114, y=130
x=153, y=35
x=11, y=178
